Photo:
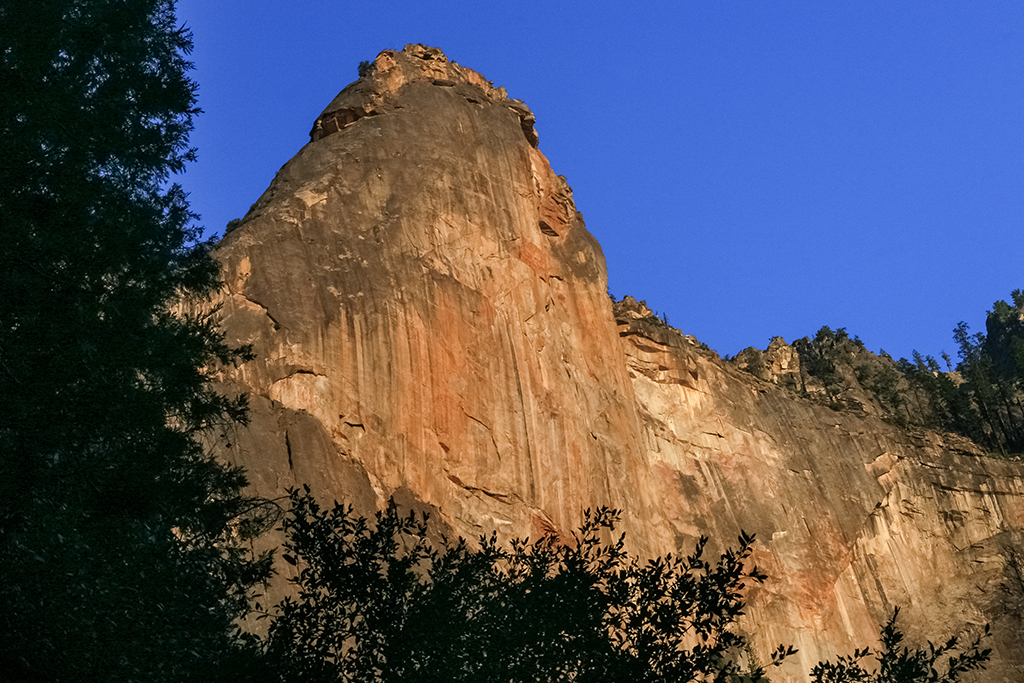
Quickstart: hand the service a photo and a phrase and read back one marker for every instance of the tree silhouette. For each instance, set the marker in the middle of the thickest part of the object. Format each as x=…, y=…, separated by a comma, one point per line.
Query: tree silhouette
x=378, y=602
x=118, y=534
x=896, y=664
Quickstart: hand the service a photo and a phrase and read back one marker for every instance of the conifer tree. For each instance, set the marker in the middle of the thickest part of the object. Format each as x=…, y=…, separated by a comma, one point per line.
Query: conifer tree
x=116, y=526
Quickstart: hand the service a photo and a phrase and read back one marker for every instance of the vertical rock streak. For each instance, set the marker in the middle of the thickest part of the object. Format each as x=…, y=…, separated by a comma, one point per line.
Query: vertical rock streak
x=432, y=323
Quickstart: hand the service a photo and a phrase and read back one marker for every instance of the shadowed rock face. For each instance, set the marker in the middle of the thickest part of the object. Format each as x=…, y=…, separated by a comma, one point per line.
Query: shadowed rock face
x=431, y=321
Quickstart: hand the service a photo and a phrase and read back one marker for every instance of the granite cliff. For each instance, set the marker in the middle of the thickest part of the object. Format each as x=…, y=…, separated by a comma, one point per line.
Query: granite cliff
x=431, y=321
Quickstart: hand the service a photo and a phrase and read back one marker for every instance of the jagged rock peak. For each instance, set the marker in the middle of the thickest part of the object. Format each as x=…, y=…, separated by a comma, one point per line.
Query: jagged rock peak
x=637, y=318
x=376, y=92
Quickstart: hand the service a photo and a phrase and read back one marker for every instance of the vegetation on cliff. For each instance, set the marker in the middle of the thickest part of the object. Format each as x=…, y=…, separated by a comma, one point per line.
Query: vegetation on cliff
x=979, y=397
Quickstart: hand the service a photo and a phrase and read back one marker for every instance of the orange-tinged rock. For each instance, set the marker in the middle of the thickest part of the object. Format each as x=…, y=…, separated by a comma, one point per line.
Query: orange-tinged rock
x=419, y=282
x=855, y=516
x=431, y=321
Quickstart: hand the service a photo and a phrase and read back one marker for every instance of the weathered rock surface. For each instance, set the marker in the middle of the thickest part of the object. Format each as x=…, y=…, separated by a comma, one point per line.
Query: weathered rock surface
x=837, y=371
x=430, y=319
x=856, y=516
x=422, y=294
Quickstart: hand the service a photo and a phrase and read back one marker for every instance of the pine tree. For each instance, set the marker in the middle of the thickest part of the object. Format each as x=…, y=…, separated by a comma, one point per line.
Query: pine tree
x=116, y=527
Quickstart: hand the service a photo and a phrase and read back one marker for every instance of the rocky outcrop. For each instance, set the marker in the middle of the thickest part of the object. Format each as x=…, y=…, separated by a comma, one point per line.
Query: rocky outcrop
x=378, y=92
x=422, y=294
x=855, y=515
x=430, y=321
x=837, y=371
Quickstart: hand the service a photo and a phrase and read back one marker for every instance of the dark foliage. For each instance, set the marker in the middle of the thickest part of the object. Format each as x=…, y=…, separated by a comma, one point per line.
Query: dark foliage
x=896, y=663
x=885, y=382
x=378, y=602
x=950, y=406
x=820, y=355
x=118, y=534
x=982, y=400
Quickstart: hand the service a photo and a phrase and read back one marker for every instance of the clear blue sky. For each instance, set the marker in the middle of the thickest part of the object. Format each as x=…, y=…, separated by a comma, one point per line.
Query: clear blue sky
x=750, y=169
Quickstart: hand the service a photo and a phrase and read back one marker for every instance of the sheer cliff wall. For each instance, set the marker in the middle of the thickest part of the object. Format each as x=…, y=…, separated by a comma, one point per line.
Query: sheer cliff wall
x=431, y=322
x=855, y=516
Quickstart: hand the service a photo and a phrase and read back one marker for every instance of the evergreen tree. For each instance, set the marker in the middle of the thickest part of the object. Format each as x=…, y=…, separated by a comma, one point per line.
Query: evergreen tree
x=986, y=388
x=819, y=356
x=118, y=533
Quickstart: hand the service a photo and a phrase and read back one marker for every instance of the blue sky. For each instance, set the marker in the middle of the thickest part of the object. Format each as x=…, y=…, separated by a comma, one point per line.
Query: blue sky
x=750, y=169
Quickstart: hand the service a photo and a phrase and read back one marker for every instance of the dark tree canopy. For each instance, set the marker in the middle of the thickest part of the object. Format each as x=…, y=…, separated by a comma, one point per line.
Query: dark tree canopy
x=376, y=601
x=115, y=524
x=982, y=399
x=897, y=663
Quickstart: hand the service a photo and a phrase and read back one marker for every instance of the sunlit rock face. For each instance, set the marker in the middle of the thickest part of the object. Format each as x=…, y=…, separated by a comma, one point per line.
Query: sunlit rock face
x=855, y=516
x=431, y=321
x=422, y=294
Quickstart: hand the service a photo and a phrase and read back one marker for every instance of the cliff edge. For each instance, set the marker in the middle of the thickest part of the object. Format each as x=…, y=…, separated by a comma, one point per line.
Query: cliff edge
x=431, y=321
